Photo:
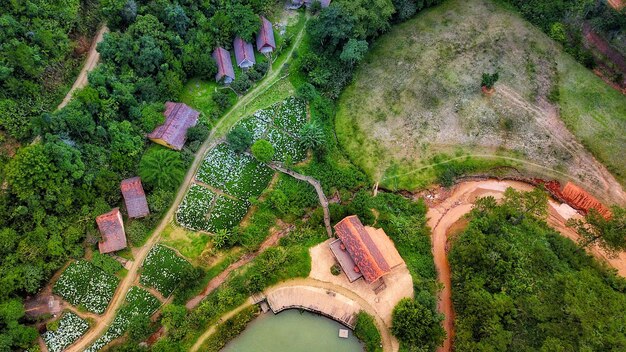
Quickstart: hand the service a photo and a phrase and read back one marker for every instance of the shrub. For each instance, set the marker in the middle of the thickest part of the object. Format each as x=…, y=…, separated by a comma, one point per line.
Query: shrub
x=263, y=150
x=417, y=326
x=137, y=232
x=335, y=269
x=239, y=138
x=365, y=330
x=106, y=263
x=489, y=80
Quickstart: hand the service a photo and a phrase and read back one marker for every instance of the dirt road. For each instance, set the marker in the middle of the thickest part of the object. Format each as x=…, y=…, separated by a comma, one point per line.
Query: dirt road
x=93, y=57
x=214, y=138
x=443, y=216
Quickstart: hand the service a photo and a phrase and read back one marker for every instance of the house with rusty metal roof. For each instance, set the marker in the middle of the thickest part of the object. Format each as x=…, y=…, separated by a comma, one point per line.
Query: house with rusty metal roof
x=134, y=198
x=244, y=53
x=225, y=72
x=173, y=132
x=265, y=42
x=363, y=251
x=111, y=228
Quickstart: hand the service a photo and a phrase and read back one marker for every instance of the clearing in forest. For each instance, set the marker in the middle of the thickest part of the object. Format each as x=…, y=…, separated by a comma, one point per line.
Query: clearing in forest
x=416, y=101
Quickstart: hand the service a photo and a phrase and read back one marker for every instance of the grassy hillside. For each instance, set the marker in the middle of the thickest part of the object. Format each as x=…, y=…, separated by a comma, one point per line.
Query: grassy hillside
x=415, y=111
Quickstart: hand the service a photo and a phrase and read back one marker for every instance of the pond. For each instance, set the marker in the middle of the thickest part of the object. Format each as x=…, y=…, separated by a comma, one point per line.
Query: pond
x=293, y=331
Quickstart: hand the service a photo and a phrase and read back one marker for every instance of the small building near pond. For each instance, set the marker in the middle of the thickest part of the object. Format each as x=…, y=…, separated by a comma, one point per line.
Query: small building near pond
x=363, y=251
x=134, y=198
x=244, y=53
x=265, y=42
x=225, y=72
x=111, y=228
x=173, y=132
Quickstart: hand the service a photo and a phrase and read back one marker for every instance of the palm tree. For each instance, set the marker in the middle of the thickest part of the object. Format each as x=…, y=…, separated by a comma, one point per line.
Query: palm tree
x=162, y=168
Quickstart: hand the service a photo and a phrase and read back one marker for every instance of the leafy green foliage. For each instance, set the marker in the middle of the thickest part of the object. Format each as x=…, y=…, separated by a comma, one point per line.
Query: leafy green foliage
x=489, y=80
x=239, y=138
x=365, y=330
x=263, y=151
x=106, y=263
x=609, y=234
x=528, y=286
x=161, y=168
x=417, y=325
x=230, y=329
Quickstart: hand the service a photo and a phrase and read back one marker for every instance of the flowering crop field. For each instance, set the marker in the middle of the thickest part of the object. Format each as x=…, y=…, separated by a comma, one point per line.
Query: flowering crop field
x=163, y=269
x=239, y=175
x=286, y=146
x=291, y=115
x=193, y=211
x=257, y=126
x=83, y=284
x=138, y=302
x=227, y=213
x=71, y=328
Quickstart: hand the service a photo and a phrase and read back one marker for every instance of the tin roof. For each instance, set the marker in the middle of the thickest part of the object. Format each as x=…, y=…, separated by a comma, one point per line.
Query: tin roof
x=134, y=197
x=224, y=64
x=243, y=51
x=265, y=37
x=111, y=228
x=178, y=119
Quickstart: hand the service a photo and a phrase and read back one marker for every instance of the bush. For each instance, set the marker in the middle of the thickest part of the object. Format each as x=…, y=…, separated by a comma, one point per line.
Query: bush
x=489, y=80
x=106, y=263
x=263, y=151
x=417, y=326
x=335, y=269
x=239, y=138
x=221, y=99
x=241, y=84
x=137, y=232
x=365, y=330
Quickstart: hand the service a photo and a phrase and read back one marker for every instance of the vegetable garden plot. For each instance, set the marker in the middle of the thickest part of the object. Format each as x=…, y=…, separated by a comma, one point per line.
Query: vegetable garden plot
x=291, y=115
x=83, y=284
x=256, y=126
x=227, y=213
x=236, y=174
x=193, y=211
x=286, y=146
x=71, y=328
x=163, y=269
x=138, y=302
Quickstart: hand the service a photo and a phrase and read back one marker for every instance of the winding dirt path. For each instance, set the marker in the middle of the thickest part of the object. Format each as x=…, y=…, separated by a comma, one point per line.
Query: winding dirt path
x=93, y=57
x=214, y=138
x=461, y=200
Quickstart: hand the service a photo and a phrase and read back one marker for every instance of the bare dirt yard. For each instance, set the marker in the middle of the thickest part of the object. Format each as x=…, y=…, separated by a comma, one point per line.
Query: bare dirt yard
x=416, y=102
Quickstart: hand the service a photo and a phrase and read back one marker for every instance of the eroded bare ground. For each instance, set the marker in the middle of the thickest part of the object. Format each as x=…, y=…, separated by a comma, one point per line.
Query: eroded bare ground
x=449, y=207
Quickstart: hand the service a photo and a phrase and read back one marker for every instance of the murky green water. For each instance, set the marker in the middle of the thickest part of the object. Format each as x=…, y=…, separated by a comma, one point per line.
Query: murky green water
x=292, y=331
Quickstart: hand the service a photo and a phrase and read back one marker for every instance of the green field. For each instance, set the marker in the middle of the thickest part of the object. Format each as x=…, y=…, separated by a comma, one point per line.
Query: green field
x=163, y=269
x=84, y=285
x=416, y=105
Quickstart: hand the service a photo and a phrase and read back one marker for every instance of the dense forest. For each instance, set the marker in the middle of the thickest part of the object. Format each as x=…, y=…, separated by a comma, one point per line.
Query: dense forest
x=57, y=185
x=520, y=286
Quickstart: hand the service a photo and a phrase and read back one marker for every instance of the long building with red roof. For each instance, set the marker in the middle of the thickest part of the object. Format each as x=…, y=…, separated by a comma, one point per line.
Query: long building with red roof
x=265, y=42
x=134, y=198
x=244, y=53
x=111, y=228
x=363, y=251
x=224, y=64
x=173, y=132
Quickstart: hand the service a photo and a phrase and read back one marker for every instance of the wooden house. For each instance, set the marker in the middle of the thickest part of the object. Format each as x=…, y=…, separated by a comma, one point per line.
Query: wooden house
x=111, y=228
x=265, y=42
x=244, y=53
x=225, y=72
x=134, y=198
x=363, y=251
x=173, y=132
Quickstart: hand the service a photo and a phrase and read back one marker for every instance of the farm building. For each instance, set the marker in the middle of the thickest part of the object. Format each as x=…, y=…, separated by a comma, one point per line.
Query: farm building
x=244, y=53
x=363, y=251
x=111, y=228
x=298, y=3
x=265, y=42
x=134, y=198
x=224, y=64
x=178, y=119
